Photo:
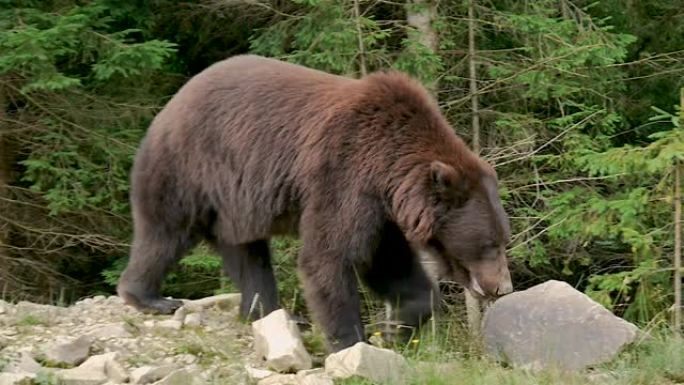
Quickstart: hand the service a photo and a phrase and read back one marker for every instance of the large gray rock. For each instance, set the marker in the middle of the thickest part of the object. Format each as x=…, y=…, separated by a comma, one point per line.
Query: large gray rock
x=367, y=361
x=553, y=325
x=68, y=351
x=277, y=340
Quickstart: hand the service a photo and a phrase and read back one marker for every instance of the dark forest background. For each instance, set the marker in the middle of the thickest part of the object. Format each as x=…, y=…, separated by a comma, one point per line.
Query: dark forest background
x=575, y=102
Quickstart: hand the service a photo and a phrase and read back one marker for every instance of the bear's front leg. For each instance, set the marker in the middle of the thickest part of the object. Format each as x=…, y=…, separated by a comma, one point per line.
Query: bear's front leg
x=332, y=245
x=331, y=294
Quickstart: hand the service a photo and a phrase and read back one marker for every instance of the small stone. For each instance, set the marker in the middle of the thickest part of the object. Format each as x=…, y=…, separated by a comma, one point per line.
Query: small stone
x=180, y=377
x=150, y=323
x=277, y=339
x=68, y=351
x=148, y=374
x=170, y=324
x=186, y=359
x=280, y=379
x=17, y=378
x=256, y=374
x=98, y=298
x=115, y=300
x=222, y=301
x=367, y=361
x=552, y=325
x=193, y=320
x=115, y=330
x=44, y=312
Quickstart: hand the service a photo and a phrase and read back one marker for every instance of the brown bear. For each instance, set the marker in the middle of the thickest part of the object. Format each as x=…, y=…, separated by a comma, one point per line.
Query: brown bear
x=366, y=172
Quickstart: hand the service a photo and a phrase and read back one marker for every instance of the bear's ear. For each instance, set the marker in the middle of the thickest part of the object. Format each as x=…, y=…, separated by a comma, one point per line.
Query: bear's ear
x=447, y=183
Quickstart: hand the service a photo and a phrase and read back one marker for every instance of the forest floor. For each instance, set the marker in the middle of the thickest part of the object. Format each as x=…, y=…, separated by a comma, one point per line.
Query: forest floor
x=219, y=348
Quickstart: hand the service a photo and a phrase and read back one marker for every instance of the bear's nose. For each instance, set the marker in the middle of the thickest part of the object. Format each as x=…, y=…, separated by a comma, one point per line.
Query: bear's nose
x=504, y=288
x=505, y=285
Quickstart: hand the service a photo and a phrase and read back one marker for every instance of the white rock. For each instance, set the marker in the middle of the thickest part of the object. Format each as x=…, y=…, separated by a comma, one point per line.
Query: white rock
x=170, y=324
x=17, y=378
x=150, y=323
x=180, y=313
x=280, y=379
x=552, y=325
x=25, y=364
x=314, y=377
x=222, y=301
x=193, y=320
x=68, y=351
x=277, y=339
x=317, y=380
x=367, y=361
x=114, y=330
x=80, y=376
x=94, y=369
x=148, y=374
x=256, y=374
x=181, y=377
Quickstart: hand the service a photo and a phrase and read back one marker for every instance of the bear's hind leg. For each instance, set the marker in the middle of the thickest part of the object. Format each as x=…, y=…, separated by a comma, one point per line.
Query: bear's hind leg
x=397, y=276
x=152, y=255
x=249, y=266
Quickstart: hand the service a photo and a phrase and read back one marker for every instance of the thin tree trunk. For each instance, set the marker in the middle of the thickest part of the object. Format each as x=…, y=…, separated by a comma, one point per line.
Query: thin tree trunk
x=359, y=34
x=420, y=15
x=4, y=180
x=473, y=306
x=472, y=73
x=678, y=236
x=678, y=251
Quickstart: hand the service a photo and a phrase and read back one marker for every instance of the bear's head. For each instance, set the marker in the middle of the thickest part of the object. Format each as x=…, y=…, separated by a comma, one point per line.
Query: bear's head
x=460, y=220
x=471, y=229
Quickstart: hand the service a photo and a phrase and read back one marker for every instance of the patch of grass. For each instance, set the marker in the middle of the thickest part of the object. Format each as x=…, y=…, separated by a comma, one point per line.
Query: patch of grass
x=136, y=360
x=31, y=320
x=446, y=355
x=658, y=360
x=45, y=378
x=196, y=348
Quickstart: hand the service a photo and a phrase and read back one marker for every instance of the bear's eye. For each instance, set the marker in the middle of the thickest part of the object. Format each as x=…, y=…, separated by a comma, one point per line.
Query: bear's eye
x=437, y=245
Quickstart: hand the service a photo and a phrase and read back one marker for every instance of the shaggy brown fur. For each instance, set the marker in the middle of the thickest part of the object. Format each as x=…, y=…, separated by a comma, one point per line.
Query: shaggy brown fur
x=362, y=170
